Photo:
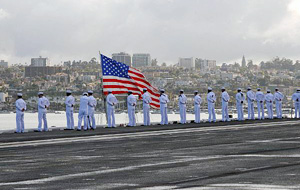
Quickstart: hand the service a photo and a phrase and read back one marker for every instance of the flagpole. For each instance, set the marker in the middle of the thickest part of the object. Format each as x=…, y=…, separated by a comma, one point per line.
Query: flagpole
x=103, y=96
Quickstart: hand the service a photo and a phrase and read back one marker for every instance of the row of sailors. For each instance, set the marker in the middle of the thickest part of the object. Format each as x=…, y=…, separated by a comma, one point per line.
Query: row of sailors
x=86, y=111
x=88, y=104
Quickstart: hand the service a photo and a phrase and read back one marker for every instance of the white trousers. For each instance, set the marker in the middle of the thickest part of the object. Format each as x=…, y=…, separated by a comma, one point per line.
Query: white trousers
x=20, y=122
x=240, y=111
x=197, y=113
x=211, y=112
x=70, y=119
x=297, y=110
x=131, y=115
x=146, y=113
x=91, y=119
x=279, y=109
x=164, y=115
x=182, y=109
x=42, y=117
x=251, y=110
x=111, y=117
x=270, y=110
x=225, y=116
x=260, y=110
x=82, y=115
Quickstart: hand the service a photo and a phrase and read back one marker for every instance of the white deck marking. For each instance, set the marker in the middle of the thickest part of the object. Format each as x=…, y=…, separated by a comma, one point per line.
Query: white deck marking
x=142, y=134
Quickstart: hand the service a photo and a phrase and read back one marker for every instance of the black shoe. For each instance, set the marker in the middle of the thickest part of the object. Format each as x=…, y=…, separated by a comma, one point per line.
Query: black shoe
x=37, y=130
x=78, y=129
x=68, y=129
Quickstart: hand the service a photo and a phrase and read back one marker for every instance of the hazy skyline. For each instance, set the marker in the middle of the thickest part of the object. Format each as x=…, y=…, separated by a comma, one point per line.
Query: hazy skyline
x=223, y=30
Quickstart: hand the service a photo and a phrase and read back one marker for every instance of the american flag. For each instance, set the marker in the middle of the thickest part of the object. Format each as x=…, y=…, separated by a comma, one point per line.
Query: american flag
x=120, y=78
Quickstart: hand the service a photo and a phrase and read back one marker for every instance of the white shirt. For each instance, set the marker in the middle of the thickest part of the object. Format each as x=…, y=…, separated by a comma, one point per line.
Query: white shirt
x=211, y=98
x=269, y=98
x=70, y=101
x=83, y=103
x=92, y=103
x=225, y=97
x=20, y=105
x=163, y=100
x=131, y=100
x=111, y=100
x=239, y=97
x=278, y=96
x=260, y=96
x=250, y=96
x=197, y=100
x=146, y=98
x=296, y=96
x=43, y=103
x=182, y=100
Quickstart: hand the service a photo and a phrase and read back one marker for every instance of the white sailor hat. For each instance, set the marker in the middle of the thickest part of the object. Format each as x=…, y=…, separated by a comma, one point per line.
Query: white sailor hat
x=268, y=90
x=239, y=89
x=196, y=91
x=209, y=88
x=181, y=90
x=223, y=88
x=298, y=89
x=19, y=94
x=69, y=91
x=109, y=91
x=85, y=93
x=90, y=92
x=258, y=89
x=276, y=88
x=145, y=89
x=162, y=90
x=40, y=93
x=129, y=91
x=249, y=88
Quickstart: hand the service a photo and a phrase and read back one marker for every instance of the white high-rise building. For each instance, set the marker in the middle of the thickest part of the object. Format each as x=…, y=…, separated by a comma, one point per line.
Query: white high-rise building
x=122, y=57
x=3, y=63
x=39, y=62
x=187, y=62
x=204, y=64
x=141, y=60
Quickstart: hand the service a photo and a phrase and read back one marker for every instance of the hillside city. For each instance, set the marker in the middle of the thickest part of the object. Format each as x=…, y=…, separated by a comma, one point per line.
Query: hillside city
x=188, y=74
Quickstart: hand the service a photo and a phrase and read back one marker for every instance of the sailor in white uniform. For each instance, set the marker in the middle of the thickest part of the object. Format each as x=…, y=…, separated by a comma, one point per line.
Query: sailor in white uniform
x=225, y=99
x=163, y=100
x=269, y=102
x=278, y=96
x=20, y=109
x=260, y=98
x=43, y=105
x=92, y=103
x=182, y=107
x=211, y=100
x=240, y=98
x=83, y=111
x=131, y=103
x=111, y=101
x=197, y=105
x=146, y=106
x=296, y=99
x=70, y=102
x=250, y=100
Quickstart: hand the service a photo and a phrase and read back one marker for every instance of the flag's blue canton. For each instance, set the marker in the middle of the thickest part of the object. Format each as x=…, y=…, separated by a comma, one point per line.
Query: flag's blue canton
x=113, y=68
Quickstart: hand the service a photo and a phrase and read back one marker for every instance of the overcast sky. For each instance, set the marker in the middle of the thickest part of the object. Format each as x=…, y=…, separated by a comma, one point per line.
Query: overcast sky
x=223, y=30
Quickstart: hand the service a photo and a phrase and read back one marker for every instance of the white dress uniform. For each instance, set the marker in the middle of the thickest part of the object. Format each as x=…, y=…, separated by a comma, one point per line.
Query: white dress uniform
x=83, y=112
x=92, y=103
x=163, y=99
x=43, y=104
x=197, y=104
x=278, y=96
x=240, y=98
x=269, y=102
x=182, y=108
x=296, y=99
x=146, y=108
x=111, y=101
x=20, y=105
x=211, y=99
x=225, y=100
x=131, y=103
x=260, y=98
x=250, y=100
x=70, y=102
